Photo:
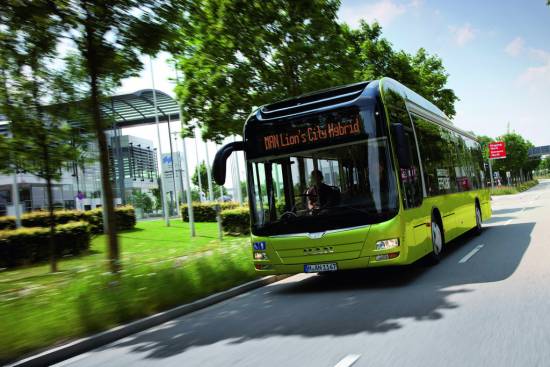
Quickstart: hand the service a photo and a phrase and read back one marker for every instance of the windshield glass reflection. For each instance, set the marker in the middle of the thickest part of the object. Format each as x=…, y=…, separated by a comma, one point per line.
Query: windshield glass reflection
x=335, y=187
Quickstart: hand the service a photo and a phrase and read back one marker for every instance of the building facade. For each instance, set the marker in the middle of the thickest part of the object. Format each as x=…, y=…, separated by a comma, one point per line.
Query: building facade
x=133, y=169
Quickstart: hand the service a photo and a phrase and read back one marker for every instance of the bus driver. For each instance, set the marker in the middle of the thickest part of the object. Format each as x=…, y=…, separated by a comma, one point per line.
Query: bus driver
x=319, y=194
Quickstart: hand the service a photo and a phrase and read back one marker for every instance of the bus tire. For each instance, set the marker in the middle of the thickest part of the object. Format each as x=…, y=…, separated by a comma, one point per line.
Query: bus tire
x=479, y=227
x=438, y=241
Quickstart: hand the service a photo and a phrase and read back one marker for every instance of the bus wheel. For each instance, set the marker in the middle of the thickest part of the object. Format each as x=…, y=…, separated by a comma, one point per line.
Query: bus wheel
x=478, y=228
x=437, y=242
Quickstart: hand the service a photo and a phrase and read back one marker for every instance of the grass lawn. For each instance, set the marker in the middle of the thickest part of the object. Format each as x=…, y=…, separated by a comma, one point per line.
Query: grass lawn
x=162, y=267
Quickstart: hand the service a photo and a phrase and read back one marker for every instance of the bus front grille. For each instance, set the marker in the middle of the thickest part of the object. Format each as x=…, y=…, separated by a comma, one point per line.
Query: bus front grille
x=320, y=253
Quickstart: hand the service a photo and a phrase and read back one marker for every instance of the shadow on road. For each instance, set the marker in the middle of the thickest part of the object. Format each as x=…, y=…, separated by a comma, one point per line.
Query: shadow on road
x=370, y=301
x=512, y=210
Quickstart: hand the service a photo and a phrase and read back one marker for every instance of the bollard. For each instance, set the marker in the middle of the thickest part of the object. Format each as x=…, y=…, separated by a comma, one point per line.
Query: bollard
x=218, y=209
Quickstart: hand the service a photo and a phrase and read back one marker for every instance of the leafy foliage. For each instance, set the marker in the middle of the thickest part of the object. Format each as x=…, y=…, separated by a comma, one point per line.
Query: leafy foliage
x=205, y=212
x=110, y=35
x=236, y=55
x=201, y=170
x=157, y=261
x=509, y=190
x=421, y=72
x=484, y=141
x=545, y=163
x=236, y=221
x=142, y=201
x=517, y=159
x=41, y=141
x=125, y=217
x=30, y=245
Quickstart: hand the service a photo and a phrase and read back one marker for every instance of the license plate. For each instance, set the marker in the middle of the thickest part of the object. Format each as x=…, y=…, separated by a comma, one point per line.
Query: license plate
x=315, y=268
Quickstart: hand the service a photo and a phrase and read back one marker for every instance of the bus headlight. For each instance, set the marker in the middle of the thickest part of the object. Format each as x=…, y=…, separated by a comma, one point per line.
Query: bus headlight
x=387, y=244
x=260, y=256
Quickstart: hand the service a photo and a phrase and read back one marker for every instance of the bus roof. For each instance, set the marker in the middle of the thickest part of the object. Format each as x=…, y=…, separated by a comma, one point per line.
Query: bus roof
x=345, y=95
x=421, y=106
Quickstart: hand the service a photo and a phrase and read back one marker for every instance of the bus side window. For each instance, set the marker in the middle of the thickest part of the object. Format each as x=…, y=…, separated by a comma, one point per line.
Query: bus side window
x=411, y=182
x=433, y=150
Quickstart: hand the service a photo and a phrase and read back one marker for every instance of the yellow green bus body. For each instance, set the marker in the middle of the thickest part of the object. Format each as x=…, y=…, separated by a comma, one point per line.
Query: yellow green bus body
x=355, y=247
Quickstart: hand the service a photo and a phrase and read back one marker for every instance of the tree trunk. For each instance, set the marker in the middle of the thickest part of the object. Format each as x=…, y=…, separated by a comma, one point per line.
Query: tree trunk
x=51, y=222
x=47, y=168
x=92, y=65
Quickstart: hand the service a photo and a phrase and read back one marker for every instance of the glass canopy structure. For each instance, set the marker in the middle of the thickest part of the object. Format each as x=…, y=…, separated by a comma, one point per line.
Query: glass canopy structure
x=133, y=160
x=138, y=108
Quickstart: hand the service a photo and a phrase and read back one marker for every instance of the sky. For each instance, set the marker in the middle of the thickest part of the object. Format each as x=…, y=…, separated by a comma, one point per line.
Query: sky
x=497, y=54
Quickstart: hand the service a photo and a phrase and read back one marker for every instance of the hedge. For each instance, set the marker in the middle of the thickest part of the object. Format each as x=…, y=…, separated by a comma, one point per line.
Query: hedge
x=30, y=245
x=125, y=215
x=206, y=212
x=7, y=222
x=236, y=221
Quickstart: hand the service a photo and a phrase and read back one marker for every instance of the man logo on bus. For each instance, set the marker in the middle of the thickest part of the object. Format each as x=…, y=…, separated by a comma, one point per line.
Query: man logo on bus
x=318, y=250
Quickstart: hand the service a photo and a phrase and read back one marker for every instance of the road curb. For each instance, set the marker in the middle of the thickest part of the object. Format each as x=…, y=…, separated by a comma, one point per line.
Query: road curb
x=72, y=349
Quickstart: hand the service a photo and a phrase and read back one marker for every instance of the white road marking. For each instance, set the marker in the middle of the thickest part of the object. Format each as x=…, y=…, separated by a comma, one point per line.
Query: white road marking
x=348, y=360
x=508, y=222
x=470, y=254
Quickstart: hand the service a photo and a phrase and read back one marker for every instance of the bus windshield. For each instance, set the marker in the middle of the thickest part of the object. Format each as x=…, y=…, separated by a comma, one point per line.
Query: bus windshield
x=313, y=191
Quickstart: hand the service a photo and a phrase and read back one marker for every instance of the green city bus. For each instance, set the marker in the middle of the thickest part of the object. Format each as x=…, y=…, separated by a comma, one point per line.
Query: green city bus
x=364, y=175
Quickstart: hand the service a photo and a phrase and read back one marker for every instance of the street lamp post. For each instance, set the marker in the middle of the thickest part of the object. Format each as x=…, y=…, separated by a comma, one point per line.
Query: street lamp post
x=186, y=171
x=209, y=174
x=198, y=164
x=180, y=169
x=176, y=203
x=161, y=182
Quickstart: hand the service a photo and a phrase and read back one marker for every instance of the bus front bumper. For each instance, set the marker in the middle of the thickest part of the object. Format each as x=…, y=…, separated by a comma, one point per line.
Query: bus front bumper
x=266, y=268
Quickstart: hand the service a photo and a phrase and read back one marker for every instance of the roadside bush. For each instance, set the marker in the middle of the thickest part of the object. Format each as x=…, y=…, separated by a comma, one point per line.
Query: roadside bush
x=527, y=185
x=205, y=212
x=508, y=190
x=125, y=215
x=236, y=221
x=94, y=219
x=7, y=222
x=35, y=219
x=30, y=245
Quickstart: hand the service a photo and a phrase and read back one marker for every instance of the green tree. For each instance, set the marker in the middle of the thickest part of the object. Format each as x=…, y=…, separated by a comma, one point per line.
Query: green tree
x=544, y=164
x=532, y=163
x=237, y=54
x=201, y=169
x=110, y=35
x=517, y=159
x=421, y=72
x=41, y=142
x=142, y=201
x=158, y=199
x=484, y=141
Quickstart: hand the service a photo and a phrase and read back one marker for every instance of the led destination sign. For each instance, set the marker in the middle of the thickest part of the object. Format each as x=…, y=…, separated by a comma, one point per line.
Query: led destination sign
x=286, y=136
x=307, y=135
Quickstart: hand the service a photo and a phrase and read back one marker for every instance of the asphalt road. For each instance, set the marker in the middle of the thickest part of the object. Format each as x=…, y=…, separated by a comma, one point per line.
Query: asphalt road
x=489, y=307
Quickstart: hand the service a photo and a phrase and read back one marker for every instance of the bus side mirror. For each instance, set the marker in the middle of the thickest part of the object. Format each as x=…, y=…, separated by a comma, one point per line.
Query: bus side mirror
x=402, y=147
x=218, y=167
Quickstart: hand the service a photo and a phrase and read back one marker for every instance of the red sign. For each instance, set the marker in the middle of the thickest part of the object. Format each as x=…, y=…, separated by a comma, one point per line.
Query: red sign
x=497, y=150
